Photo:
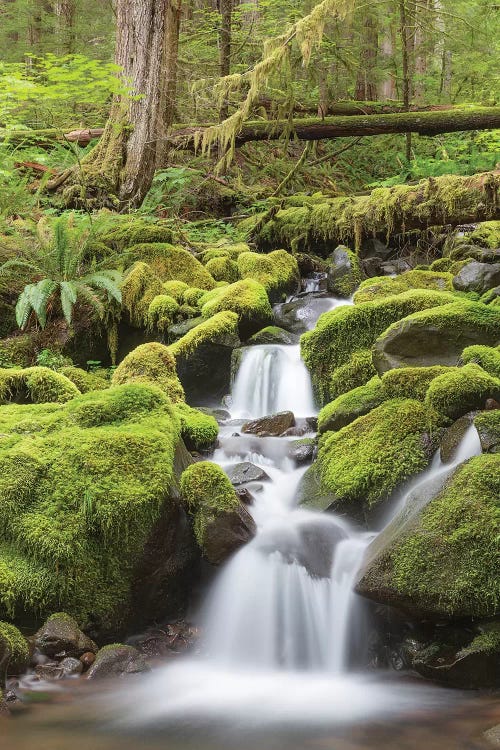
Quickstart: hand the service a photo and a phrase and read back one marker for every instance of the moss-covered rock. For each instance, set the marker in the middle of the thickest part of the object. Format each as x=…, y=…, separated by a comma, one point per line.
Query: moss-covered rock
x=151, y=363
x=35, y=385
x=444, y=561
x=173, y=263
x=278, y=272
x=344, y=273
x=192, y=295
x=120, y=231
x=222, y=268
x=436, y=336
x=349, y=406
x=488, y=357
x=246, y=298
x=176, y=289
x=383, y=286
x=272, y=335
x=221, y=329
x=357, y=371
x=221, y=523
x=410, y=382
x=61, y=635
x=486, y=234
x=361, y=464
x=198, y=430
x=14, y=651
x=462, y=389
x=487, y=424
x=222, y=249
x=139, y=287
x=348, y=329
x=161, y=312
x=84, y=381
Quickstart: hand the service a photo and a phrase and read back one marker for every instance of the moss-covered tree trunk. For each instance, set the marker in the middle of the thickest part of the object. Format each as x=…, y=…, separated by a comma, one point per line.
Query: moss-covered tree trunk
x=119, y=171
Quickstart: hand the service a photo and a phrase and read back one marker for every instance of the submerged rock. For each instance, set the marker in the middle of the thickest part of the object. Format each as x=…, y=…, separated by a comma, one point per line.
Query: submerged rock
x=271, y=425
x=299, y=315
x=117, y=660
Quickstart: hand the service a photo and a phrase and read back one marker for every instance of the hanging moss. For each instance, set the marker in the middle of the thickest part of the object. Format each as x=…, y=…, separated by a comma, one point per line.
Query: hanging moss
x=488, y=357
x=461, y=390
x=150, y=363
x=162, y=311
x=278, y=272
x=35, y=385
x=347, y=329
x=173, y=263
x=223, y=269
x=356, y=403
x=84, y=381
x=247, y=298
x=140, y=286
x=207, y=491
x=198, y=430
x=384, y=286
x=222, y=328
x=411, y=382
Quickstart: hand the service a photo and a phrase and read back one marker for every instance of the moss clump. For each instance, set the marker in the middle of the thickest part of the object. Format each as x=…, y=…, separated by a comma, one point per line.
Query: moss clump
x=140, y=286
x=356, y=372
x=172, y=263
x=361, y=464
x=246, y=298
x=488, y=357
x=448, y=563
x=486, y=234
x=488, y=426
x=122, y=231
x=384, y=286
x=84, y=381
x=278, y=272
x=150, y=363
x=441, y=264
x=161, y=312
x=176, y=289
x=347, y=329
x=221, y=329
x=223, y=250
x=198, y=430
x=410, y=382
x=207, y=491
x=348, y=407
x=35, y=385
x=461, y=390
x=17, y=351
x=76, y=515
x=345, y=274
x=192, y=295
x=223, y=268
x=14, y=651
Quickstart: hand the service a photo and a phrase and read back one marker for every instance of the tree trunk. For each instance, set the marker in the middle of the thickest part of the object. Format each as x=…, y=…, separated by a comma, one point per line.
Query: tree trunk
x=119, y=171
x=65, y=11
x=388, y=84
x=447, y=200
x=366, y=83
x=406, y=48
x=226, y=20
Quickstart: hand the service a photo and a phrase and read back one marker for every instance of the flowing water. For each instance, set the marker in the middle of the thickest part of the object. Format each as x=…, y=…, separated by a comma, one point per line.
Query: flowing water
x=285, y=637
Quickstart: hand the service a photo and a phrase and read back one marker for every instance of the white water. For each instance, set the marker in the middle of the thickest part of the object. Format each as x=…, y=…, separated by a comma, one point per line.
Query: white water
x=282, y=624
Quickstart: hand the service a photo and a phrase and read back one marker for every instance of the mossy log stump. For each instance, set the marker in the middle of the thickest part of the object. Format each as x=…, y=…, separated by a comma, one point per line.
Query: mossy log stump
x=448, y=200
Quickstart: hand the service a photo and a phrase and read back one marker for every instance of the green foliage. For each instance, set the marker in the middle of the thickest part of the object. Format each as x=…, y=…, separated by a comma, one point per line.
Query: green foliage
x=150, y=363
x=207, y=491
x=35, y=385
x=52, y=360
x=461, y=390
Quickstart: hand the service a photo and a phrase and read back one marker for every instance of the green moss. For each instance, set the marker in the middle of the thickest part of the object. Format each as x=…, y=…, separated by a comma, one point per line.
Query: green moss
x=116, y=405
x=491, y=296
x=222, y=328
x=349, y=277
x=278, y=271
x=441, y=265
x=357, y=371
x=461, y=390
x=140, y=286
x=173, y=263
x=349, y=406
x=488, y=357
x=84, y=381
x=17, y=351
x=223, y=250
x=450, y=560
x=347, y=329
x=207, y=491
x=176, y=289
x=361, y=464
x=162, y=311
x=35, y=385
x=150, y=363
x=15, y=646
x=486, y=234
x=198, y=430
x=122, y=231
x=223, y=269
x=488, y=426
x=247, y=298
x=410, y=382
x=385, y=286
x=192, y=295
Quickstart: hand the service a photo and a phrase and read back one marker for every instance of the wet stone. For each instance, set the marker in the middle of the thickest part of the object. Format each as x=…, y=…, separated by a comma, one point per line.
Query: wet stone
x=245, y=472
x=117, y=661
x=71, y=667
x=453, y=437
x=271, y=425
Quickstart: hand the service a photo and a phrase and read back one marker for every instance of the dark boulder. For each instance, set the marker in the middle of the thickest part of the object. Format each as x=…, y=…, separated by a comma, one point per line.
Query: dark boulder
x=303, y=451
x=226, y=533
x=245, y=472
x=371, y=247
x=453, y=436
x=344, y=273
x=60, y=637
x=477, y=277
x=271, y=425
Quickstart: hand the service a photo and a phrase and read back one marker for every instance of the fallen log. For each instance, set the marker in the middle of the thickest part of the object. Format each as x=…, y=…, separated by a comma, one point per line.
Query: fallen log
x=350, y=107
x=46, y=137
x=322, y=224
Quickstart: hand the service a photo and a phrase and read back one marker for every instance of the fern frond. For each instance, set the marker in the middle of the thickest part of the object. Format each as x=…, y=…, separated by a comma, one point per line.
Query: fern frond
x=68, y=299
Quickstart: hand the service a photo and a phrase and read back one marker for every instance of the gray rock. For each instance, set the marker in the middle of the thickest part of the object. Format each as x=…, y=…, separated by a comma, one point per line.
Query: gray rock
x=477, y=277
x=60, y=636
x=49, y=672
x=398, y=265
x=272, y=425
x=302, y=451
x=343, y=272
x=272, y=335
x=463, y=251
x=117, y=661
x=300, y=315
x=311, y=494
x=228, y=531
x=245, y=472
x=178, y=330
x=371, y=266
x=71, y=667
x=371, y=247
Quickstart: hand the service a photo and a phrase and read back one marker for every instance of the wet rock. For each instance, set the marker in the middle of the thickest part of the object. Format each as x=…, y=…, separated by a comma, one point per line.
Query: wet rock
x=178, y=330
x=302, y=451
x=492, y=736
x=491, y=404
x=4, y=708
x=245, y=472
x=300, y=315
x=371, y=266
x=71, y=667
x=477, y=277
x=399, y=265
x=87, y=659
x=271, y=425
x=371, y=247
x=226, y=533
x=487, y=424
x=463, y=251
x=172, y=639
x=60, y=636
x=272, y=335
x=344, y=274
x=206, y=373
x=117, y=660
x=298, y=431
x=221, y=415
x=244, y=495
x=49, y=672
x=312, y=494
x=453, y=436
x=310, y=264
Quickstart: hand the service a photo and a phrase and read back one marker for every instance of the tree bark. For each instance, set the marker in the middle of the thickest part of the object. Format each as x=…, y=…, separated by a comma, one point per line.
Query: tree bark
x=226, y=21
x=447, y=200
x=366, y=83
x=65, y=11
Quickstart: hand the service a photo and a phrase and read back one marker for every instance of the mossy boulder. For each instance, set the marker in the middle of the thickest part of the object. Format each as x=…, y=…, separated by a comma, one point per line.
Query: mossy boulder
x=222, y=524
x=117, y=660
x=278, y=272
x=162, y=311
x=462, y=389
x=120, y=231
x=349, y=406
x=410, y=382
x=477, y=277
x=176, y=289
x=14, y=650
x=360, y=465
x=486, y=234
x=272, y=335
x=139, y=287
x=35, y=385
x=84, y=381
x=347, y=329
x=357, y=371
x=150, y=363
x=247, y=298
x=436, y=336
x=383, y=286
x=487, y=424
x=173, y=263
x=198, y=430
x=344, y=273
x=222, y=268
x=443, y=561
x=488, y=357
